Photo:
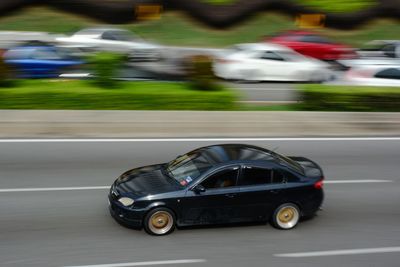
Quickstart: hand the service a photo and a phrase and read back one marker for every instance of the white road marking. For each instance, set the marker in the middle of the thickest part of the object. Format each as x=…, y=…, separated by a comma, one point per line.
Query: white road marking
x=339, y=252
x=356, y=181
x=67, y=140
x=145, y=263
x=44, y=189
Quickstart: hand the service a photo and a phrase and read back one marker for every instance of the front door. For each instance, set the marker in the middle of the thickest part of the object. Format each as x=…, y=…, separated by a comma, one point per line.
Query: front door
x=217, y=204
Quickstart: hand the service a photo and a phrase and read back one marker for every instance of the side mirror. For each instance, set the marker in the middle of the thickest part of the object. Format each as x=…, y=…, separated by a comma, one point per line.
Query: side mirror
x=199, y=189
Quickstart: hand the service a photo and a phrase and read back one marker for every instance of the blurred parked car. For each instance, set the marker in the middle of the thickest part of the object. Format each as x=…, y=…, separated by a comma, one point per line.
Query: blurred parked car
x=313, y=45
x=374, y=75
x=113, y=40
x=269, y=62
x=40, y=61
x=381, y=48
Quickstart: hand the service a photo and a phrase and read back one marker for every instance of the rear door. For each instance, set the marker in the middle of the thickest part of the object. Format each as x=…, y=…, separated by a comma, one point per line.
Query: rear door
x=261, y=190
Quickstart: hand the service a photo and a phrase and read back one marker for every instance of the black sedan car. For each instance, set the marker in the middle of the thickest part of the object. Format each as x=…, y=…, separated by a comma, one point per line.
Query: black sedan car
x=218, y=184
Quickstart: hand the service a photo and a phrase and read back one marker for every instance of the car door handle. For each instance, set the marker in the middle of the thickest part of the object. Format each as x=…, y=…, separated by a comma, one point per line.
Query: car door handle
x=230, y=195
x=274, y=191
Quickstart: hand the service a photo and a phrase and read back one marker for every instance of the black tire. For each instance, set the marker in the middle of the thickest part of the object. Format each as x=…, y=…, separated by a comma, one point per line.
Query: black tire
x=159, y=221
x=286, y=216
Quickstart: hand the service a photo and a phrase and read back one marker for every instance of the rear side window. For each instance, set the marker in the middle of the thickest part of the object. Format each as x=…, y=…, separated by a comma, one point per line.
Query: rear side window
x=289, y=177
x=255, y=176
x=259, y=176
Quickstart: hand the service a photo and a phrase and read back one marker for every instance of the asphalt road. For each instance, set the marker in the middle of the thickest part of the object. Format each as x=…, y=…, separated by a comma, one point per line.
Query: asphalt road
x=73, y=228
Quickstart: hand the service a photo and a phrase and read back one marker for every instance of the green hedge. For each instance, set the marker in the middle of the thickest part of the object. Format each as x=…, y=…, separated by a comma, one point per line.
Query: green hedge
x=324, y=5
x=349, y=98
x=81, y=95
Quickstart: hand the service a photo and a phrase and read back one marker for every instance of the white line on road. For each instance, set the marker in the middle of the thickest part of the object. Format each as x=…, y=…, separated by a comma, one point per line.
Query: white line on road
x=145, y=263
x=66, y=140
x=339, y=252
x=44, y=189
x=356, y=181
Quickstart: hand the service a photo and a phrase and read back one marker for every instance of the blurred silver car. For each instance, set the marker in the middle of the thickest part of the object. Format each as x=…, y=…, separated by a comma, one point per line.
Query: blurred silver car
x=113, y=40
x=269, y=62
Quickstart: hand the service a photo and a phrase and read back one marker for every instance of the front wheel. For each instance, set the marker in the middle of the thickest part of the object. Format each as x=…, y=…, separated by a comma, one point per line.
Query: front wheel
x=160, y=221
x=286, y=216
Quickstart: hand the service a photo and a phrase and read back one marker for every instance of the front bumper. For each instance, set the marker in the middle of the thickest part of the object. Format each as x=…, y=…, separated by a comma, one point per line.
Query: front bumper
x=129, y=217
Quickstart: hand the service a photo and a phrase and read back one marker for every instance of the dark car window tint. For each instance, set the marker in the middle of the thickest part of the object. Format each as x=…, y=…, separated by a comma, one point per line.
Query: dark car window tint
x=225, y=178
x=314, y=39
x=45, y=54
x=255, y=176
x=108, y=36
x=277, y=177
x=271, y=56
x=290, y=178
x=388, y=74
x=389, y=50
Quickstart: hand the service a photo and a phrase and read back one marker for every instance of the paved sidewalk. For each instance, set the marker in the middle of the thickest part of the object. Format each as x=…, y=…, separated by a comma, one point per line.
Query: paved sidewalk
x=149, y=124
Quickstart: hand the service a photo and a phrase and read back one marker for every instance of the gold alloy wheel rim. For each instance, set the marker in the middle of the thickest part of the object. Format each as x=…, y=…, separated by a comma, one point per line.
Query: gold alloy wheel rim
x=288, y=217
x=160, y=222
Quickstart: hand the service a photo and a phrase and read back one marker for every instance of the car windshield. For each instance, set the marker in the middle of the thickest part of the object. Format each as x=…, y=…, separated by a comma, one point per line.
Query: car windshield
x=288, y=162
x=187, y=168
x=124, y=36
x=292, y=56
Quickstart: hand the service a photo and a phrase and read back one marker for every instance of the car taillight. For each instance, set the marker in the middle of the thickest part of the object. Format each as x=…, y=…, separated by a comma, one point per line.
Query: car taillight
x=319, y=184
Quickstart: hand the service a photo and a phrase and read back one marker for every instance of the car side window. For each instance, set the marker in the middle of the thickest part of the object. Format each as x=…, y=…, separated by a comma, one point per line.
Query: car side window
x=277, y=177
x=289, y=177
x=255, y=176
x=222, y=179
x=391, y=73
x=45, y=54
x=108, y=36
x=259, y=176
x=269, y=55
x=315, y=39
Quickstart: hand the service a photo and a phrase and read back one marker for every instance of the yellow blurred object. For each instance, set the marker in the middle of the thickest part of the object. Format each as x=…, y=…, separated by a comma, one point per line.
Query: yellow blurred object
x=310, y=20
x=148, y=12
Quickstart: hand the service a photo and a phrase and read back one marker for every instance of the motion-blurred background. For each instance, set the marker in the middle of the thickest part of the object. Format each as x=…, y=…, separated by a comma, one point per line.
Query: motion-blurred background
x=200, y=55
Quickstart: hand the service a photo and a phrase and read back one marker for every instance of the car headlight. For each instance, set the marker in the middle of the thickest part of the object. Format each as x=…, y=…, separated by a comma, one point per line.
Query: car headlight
x=126, y=201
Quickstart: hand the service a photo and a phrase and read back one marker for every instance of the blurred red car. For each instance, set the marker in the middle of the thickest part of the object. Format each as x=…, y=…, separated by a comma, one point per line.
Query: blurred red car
x=313, y=45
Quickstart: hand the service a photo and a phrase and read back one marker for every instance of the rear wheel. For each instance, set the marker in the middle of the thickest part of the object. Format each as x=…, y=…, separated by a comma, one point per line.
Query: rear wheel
x=286, y=216
x=160, y=221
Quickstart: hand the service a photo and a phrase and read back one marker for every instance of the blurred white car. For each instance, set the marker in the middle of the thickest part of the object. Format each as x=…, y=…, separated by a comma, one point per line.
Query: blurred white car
x=269, y=62
x=373, y=75
x=114, y=40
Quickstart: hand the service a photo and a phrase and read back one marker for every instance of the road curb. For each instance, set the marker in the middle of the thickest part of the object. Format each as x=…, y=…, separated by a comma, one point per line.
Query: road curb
x=172, y=124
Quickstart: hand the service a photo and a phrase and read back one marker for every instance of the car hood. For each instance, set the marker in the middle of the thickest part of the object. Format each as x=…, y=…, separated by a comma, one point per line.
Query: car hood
x=144, y=181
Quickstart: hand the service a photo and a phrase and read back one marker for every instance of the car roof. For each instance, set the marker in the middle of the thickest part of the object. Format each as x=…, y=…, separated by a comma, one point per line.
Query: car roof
x=225, y=153
x=263, y=46
x=98, y=30
x=298, y=32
